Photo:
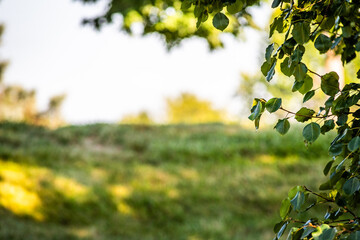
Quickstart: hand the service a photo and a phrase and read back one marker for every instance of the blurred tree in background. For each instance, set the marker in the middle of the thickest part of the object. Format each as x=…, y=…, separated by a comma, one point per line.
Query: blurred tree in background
x=142, y=117
x=19, y=104
x=187, y=108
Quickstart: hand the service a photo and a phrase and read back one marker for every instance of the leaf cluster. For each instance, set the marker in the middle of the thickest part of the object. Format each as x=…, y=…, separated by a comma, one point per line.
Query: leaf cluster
x=173, y=19
x=330, y=26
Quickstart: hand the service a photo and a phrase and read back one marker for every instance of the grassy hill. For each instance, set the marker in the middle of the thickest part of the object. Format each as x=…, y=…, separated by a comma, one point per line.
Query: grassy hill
x=107, y=182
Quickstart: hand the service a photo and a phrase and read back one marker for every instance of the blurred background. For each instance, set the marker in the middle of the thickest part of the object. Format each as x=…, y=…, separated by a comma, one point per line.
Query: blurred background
x=111, y=135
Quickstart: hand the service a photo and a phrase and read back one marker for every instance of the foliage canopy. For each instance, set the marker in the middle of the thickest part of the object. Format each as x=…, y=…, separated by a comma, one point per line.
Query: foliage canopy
x=174, y=20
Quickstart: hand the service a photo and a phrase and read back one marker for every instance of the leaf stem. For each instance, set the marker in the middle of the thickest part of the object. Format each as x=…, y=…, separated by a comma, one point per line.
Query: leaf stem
x=314, y=73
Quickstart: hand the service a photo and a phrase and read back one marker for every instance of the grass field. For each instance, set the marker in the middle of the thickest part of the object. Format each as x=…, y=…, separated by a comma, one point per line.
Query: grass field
x=107, y=182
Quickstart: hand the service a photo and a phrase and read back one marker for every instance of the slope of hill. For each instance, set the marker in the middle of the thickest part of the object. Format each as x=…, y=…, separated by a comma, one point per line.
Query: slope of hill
x=148, y=182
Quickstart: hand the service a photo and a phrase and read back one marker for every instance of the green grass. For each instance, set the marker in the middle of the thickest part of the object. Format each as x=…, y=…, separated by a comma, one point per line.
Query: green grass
x=108, y=182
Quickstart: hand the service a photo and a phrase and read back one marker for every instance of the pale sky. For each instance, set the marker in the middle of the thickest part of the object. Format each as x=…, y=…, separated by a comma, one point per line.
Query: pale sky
x=108, y=74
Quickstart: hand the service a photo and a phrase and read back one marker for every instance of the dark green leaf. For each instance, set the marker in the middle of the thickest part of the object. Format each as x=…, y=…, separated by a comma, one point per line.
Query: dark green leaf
x=285, y=208
x=297, y=85
x=220, y=21
x=354, y=144
x=328, y=125
x=347, y=32
x=301, y=32
x=308, y=95
x=282, y=126
x=282, y=230
x=342, y=119
x=278, y=226
x=354, y=236
x=285, y=68
x=273, y=105
x=323, y=43
x=275, y=3
x=326, y=234
x=298, y=201
x=328, y=167
x=304, y=114
x=300, y=71
x=298, y=54
x=358, y=74
x=268, y=52
x=330, y=83
x=336, y=149
x=255, y=113
x=351, y=186
x=311, y=132
x=271, y=71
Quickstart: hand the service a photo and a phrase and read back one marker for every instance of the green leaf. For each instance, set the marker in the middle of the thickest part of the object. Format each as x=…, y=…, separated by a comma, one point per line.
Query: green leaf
x=285, y=68
x=326, y=234
x=328, y=167
x=256, y=111
x=271, y=72
x=307, y=86
x=293, y=191
x=282, y=126
x=297, y=85
x=336, y=149
x=257, y=122
x=307, y=232
x=186, y=4
x=273, y=105
x=354, y=144
x=308, y=96
x=347, y=31
x=301, y=32
x=311, y=132
x=328, y=23
x=265, y=67
x=282, y=230
x=275, y=3
x=235, y=7
x=268, y=52
x=220, y=21
x=351, y=186
x=285, y=208
x=328, y=125
x=298, y=54
x=354, y=236
x=300, y=71
x=323, y=43
x=330, y=83
x=304, y=114
x=298, y=200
